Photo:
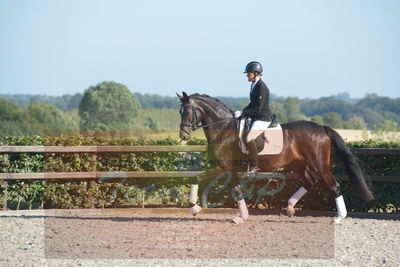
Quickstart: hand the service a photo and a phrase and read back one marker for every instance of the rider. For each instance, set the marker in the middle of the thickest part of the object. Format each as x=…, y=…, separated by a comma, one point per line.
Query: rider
x=258, y=110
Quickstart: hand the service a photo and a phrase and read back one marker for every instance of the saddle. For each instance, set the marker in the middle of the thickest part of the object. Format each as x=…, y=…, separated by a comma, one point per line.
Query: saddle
x=269, y=140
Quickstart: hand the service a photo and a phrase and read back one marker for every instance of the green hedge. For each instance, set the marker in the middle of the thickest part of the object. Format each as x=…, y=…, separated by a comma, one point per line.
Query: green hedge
x=73, y=194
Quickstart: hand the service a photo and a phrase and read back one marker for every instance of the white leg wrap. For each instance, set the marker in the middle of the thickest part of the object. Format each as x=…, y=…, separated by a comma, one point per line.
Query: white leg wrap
x=244, y=213
x=341, y=207
x=194, y=188
x=195, y=209
x=296, y=197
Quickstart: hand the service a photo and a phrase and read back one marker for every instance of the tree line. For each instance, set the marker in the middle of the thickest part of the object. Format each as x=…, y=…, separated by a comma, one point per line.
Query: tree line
x=112, y=106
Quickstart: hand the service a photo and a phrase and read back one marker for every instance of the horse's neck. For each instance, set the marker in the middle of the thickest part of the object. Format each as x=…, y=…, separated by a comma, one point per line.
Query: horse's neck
x=213, y=113
x=219, y=132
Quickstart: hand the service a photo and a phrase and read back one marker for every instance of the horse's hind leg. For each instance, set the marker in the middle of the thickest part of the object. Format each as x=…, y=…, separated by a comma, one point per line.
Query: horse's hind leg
x=335, y=187
x=299, y=193
x=324, y=172
x=328, y=178
x=340, y=205
x=244, y=213
x=294, y=199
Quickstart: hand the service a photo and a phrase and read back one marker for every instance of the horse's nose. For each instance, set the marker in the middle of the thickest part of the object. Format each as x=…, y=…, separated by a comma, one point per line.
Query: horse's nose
x=184, y=135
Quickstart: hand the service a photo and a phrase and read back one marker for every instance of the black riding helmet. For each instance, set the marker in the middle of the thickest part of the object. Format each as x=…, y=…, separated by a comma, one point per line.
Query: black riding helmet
x=253, y=66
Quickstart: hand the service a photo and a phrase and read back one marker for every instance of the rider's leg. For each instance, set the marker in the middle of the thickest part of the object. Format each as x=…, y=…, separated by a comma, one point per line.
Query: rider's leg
x=253, y=157
x=256, y=129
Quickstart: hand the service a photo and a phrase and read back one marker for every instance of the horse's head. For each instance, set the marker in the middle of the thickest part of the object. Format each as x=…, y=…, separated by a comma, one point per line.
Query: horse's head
x=190, y=116
x=202, y=111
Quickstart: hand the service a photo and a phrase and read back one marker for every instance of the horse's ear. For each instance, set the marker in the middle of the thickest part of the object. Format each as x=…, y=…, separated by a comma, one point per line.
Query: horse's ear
x=185, y=95
x=179, y=96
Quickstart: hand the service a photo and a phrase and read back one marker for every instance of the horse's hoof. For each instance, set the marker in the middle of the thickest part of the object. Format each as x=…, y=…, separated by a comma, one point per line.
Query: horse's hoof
x=337, y=220
x=195, y=209
x=238, y=220
x=290, y=211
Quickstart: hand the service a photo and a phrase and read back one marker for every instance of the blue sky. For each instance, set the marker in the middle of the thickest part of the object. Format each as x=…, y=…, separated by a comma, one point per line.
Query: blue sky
x=307, y=48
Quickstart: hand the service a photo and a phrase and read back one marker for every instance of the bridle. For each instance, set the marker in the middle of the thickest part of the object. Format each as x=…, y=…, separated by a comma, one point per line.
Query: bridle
x=194, y=125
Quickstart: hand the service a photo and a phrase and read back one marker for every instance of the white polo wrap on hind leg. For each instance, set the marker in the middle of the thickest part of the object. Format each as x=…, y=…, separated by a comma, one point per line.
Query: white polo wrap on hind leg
x=244, y=213
x=194, y=188
x=296, y=197
x=341, y=207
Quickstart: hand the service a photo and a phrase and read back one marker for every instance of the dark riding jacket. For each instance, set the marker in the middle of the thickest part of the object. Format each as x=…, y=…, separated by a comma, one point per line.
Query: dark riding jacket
x=258, y=108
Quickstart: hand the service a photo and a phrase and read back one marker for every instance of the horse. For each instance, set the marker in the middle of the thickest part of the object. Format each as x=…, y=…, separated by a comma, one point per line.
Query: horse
x=307, y=148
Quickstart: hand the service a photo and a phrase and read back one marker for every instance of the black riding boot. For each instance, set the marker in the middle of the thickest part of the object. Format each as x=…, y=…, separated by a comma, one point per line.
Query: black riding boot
x=253, y=158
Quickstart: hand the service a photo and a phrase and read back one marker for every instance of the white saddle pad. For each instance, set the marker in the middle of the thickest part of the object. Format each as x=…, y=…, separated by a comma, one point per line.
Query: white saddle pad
x=273, y=138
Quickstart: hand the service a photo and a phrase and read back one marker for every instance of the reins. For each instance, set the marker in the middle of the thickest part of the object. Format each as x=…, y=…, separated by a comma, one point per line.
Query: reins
x=194, y=120
x=213, y=123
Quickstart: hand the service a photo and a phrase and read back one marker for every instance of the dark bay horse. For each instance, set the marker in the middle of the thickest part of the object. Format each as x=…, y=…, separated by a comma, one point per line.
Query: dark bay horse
x=307, y=148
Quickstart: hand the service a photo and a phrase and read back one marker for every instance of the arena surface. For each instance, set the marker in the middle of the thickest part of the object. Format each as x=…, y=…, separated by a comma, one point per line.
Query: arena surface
x=172, y=237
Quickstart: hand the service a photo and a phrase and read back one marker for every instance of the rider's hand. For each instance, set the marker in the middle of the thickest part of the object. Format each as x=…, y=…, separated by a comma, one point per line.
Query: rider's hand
x=237, y=114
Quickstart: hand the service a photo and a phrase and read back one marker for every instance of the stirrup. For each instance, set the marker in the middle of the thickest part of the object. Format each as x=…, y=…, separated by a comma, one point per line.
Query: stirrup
x=252, y=172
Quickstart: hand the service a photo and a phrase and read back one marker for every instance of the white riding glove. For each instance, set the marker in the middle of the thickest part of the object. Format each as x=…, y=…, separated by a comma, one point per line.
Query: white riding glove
x=237, y=114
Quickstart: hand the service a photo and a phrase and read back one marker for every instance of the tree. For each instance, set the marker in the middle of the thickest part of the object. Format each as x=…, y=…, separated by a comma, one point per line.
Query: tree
x=333, y=120
x=151, y=123
x=48, y=117
x=292, y=107
x=317, y=119
x=357, y=122
x=9, y=110
x=108, y=106
x=15, y=121
x=279, y=110
x=344, y=96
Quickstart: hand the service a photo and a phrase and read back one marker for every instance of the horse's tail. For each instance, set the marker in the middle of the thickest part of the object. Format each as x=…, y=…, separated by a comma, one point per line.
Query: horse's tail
x=352, y=167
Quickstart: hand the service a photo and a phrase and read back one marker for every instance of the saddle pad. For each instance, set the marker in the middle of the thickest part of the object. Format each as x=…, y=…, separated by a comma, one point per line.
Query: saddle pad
x=273, y=141
x=269, y=140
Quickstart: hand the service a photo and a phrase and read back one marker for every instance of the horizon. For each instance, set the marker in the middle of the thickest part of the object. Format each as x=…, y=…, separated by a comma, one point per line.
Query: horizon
x=309, y=49
x=338, y=95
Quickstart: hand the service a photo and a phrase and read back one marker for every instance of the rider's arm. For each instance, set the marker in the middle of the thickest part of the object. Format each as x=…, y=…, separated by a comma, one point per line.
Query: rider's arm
x=262, y=100
x=259, y=103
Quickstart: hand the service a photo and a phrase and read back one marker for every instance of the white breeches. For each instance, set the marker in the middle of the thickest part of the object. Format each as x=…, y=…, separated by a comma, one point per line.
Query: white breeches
x=256, y=129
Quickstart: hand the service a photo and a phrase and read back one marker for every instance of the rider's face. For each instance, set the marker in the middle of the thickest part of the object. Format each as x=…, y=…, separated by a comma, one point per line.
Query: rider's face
x=251, y=77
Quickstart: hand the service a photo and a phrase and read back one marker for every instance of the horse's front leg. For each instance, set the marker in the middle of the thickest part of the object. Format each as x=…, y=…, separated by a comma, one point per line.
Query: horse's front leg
x=194, y=189
x=244, y=213
x=195, y=209
x=237, y=191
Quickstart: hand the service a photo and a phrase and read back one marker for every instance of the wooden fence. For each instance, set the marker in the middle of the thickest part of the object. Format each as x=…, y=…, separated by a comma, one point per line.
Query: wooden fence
x=95, y=175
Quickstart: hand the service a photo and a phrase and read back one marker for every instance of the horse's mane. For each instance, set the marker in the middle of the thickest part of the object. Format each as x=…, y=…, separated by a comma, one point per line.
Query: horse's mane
x=219, y=102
